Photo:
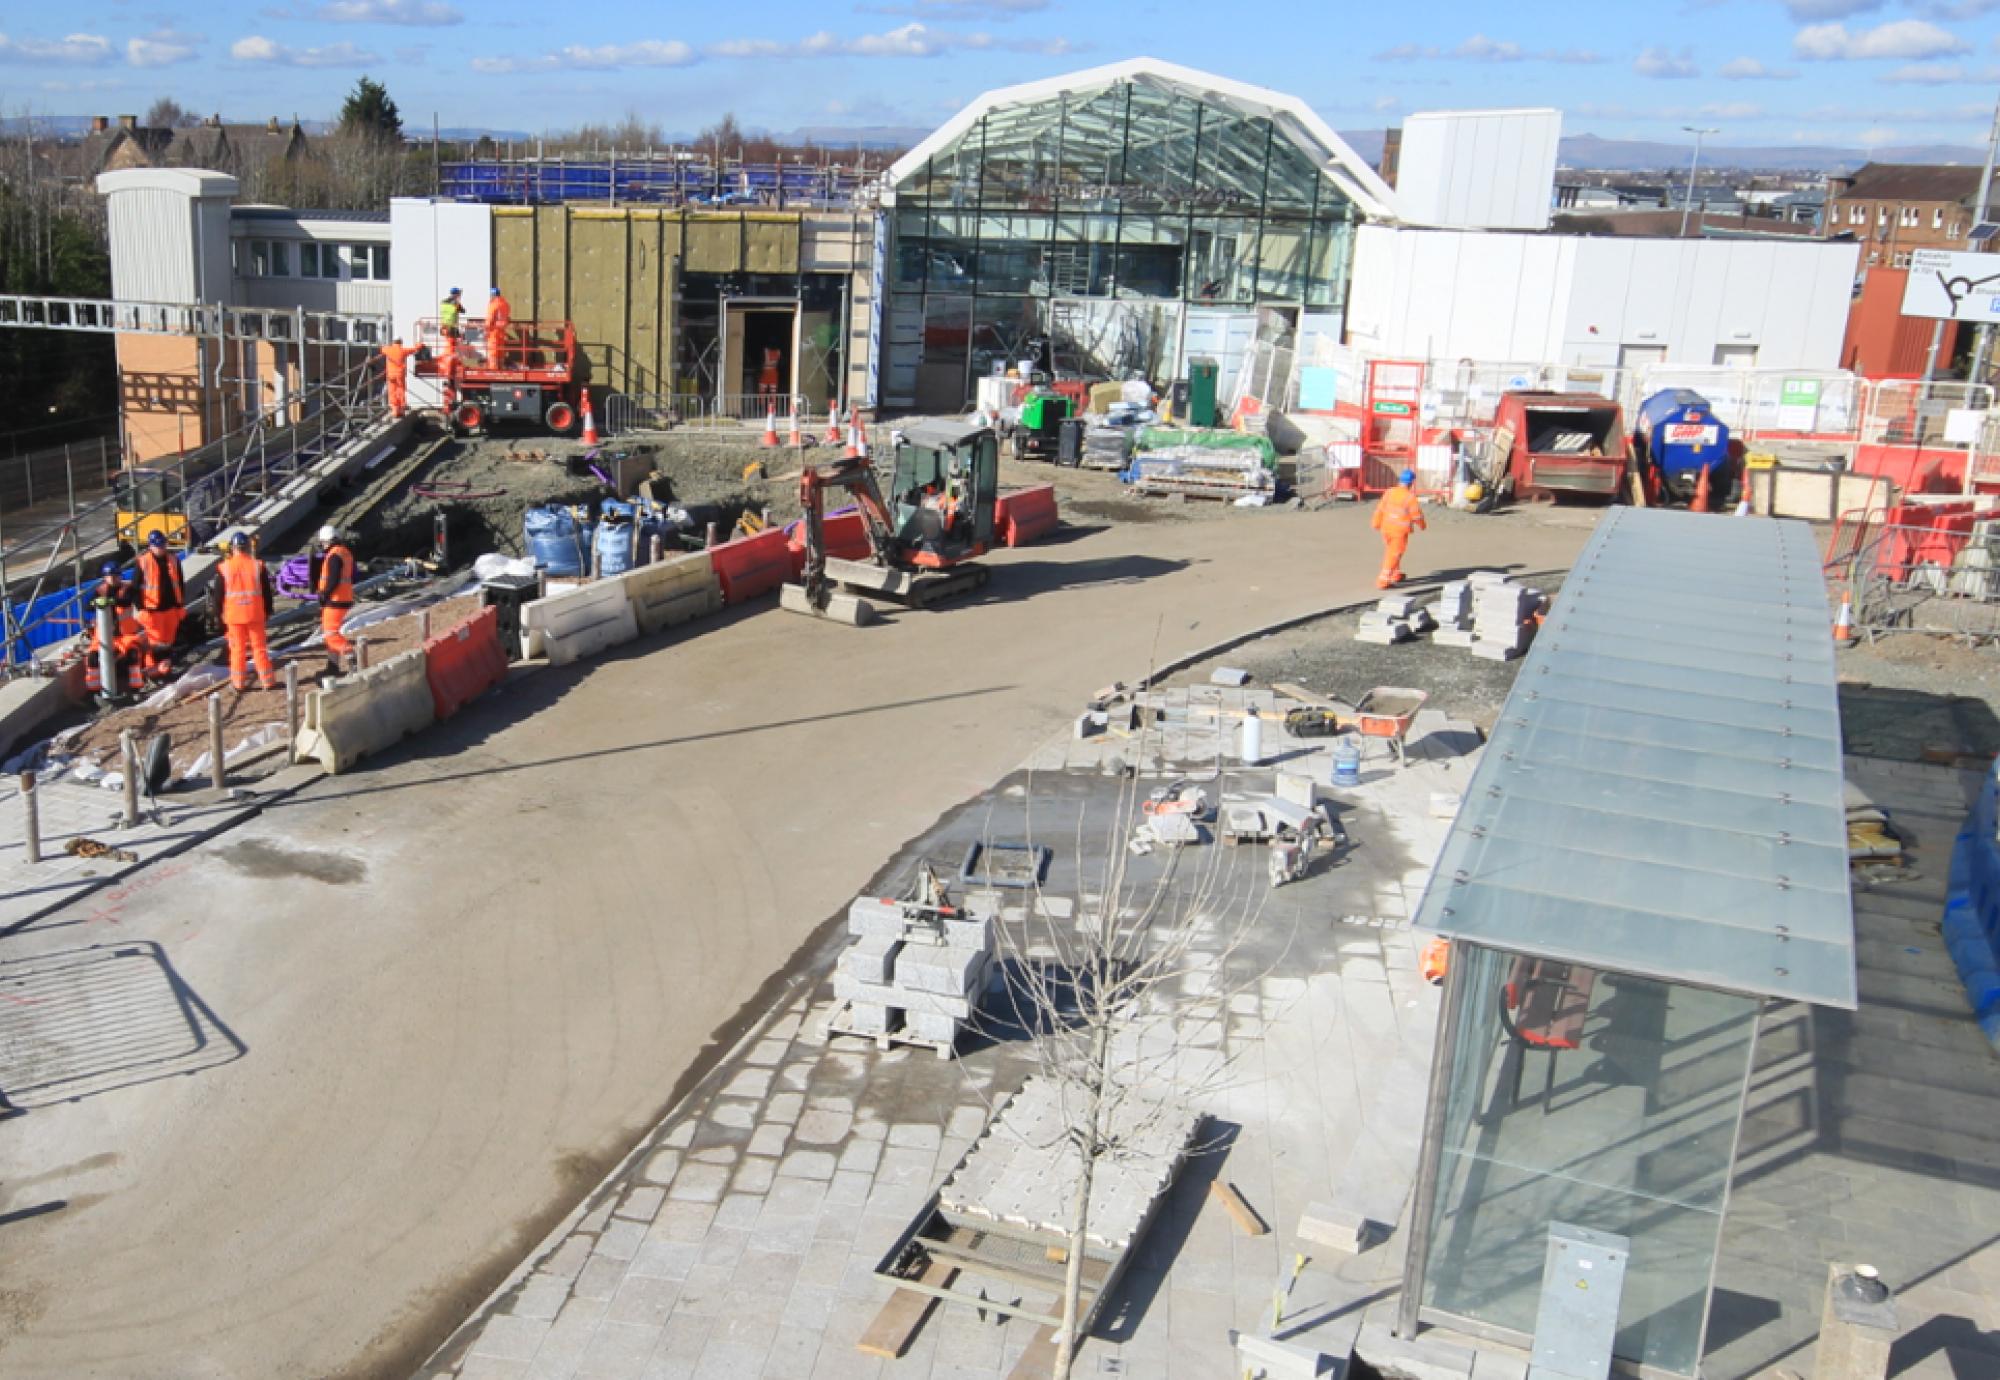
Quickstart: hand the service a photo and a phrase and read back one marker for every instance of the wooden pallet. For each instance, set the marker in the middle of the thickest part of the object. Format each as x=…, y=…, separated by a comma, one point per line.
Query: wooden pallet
x=884, y=1041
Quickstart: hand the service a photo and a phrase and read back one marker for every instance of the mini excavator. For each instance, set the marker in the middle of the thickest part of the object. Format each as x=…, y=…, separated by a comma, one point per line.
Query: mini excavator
x=922, y=539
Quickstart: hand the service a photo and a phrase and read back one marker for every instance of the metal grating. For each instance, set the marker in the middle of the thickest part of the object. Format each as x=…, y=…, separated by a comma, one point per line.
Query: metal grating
x=1662, y=794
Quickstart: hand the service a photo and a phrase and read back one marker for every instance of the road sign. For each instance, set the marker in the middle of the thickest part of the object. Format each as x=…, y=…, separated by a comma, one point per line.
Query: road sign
x=1948, y=286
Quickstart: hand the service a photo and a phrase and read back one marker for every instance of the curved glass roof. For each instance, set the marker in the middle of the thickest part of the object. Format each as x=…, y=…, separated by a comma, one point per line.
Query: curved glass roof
x=1139, y=132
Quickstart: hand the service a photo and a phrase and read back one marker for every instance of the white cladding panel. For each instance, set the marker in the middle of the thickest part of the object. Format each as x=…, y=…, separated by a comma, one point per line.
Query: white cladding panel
x=1478, y=169
x=435, y=246
x=1576, y=300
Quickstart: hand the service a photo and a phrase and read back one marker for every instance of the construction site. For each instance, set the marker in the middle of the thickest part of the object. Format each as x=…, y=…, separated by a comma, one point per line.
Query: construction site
x=1016, y=768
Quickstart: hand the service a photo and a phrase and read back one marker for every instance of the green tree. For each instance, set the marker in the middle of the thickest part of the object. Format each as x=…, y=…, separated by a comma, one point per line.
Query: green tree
x=368, y=111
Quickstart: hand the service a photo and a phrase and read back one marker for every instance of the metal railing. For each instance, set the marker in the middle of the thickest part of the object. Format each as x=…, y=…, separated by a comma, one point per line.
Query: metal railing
x=200, y=493
x=290, y=325
x=651, y=178
x=1938, y=574
x=626, y=413
x=57, y=472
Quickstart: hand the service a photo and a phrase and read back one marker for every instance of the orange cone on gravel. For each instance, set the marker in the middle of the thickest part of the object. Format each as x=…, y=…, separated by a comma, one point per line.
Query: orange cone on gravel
x=590, y=437
x=1843, y=626
x=771, y=427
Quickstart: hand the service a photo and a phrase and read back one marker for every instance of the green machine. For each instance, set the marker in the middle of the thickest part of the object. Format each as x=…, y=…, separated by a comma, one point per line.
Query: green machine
x=1038, y=432
x=1202, y=375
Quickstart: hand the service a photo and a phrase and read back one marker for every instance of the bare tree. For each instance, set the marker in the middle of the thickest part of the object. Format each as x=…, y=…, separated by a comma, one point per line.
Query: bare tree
x=168, y=113
x=1125, y=1004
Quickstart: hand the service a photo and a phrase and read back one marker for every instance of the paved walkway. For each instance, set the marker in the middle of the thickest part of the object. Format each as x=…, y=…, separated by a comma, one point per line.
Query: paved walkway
x=471, y=975
x=742, y=1238
x=105, y=885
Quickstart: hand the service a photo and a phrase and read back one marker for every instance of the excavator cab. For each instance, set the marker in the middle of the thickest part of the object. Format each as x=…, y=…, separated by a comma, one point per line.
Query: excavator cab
x=944, y=484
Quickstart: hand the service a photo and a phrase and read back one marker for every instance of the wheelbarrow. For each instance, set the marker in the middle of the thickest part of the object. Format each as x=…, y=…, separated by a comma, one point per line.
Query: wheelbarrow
x=1387, y=711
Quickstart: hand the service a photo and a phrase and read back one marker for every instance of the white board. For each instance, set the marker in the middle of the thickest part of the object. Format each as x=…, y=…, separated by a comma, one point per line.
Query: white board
x=1946, y=285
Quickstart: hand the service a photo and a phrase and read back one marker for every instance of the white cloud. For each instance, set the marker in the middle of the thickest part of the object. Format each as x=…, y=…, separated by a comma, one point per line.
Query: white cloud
x=1480, y=48
x=161, y=48
x=1750, y=69
x=257, y=48
x=907, y=41
x=1942, y=74
x=1904, y=40
x=83, y=49
x=422, y=12
x=948, y=10
x=1666, y=65
x=603, y=57
x=1954, y=9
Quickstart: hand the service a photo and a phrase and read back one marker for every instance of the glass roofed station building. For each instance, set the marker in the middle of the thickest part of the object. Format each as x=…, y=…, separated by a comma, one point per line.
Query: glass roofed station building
x=1114, y=222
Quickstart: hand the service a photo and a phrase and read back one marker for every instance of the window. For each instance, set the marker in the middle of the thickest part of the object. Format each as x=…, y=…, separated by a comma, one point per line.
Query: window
x=1901, y=259
x=361, y=262
x=381, y=263
x=1881, y=215
x=1957, y=229
x=281, y=259
x=309, y=260
x=260, y=258
x=1857, y=215
x=1937, y=218
x=1908, y=219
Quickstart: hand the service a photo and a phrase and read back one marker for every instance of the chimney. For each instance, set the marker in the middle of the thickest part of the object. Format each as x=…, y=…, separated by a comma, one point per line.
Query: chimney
x=99, y=123
x=272, y=127
x=1392, y=155
x=128, y=122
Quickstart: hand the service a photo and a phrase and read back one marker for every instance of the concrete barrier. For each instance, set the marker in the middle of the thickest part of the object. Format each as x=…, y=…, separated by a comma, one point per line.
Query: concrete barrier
x=578, y=623
x=671, y=592
x=25, y=705
x=349, y=718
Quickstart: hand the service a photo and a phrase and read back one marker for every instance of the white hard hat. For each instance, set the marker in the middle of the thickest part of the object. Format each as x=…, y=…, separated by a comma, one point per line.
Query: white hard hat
x=328, y=535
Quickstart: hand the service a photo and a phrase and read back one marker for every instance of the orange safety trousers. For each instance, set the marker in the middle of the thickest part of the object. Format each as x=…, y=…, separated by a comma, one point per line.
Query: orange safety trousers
x=246, y=641
x=1395, y=542
x=330, y=622
x=399, y=395
x=162, y=627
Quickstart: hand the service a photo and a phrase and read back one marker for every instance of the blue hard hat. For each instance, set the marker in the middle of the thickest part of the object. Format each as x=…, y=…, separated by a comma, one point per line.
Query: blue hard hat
x=241, y=541
x=493, y=292
x=156, y=538
x=1407, y=477
x=454, y=292
x=108, y=568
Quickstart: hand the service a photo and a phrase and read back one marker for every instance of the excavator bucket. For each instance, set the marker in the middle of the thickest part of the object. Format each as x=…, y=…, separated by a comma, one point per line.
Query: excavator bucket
x=840, y=608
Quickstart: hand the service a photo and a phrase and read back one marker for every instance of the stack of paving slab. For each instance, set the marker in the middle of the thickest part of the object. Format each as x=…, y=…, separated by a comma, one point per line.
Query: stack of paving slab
x=1488, y=614
x=1021, y=1174
x=911, y=978
x=1395, y=618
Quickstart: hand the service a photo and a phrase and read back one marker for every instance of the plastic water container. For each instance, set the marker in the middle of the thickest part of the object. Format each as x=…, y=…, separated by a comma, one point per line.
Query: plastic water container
x=557, y=541
x=1253, y=740
x=1346, y=762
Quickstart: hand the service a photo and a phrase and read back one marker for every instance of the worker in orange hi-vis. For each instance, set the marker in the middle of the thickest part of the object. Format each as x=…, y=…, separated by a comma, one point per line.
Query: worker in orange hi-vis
x=335, y=588
x=1395, y=516
x=162, y=601
x=396, y=361
x=499, y=316
x=1435, y=961
x=246, y=604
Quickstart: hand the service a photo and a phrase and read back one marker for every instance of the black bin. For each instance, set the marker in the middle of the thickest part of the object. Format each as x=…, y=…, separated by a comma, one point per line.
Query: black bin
x=1069, y=443
x=509, y=594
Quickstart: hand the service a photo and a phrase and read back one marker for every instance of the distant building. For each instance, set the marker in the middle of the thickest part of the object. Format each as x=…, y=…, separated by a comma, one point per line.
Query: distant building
x=1895, y=208
x=127, y=144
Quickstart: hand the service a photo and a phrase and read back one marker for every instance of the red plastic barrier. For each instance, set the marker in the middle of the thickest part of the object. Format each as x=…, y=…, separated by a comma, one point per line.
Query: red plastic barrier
x=1025, y=515
x=845, y=535
x=1914, y=469
x=750, y=566
x=465, y=662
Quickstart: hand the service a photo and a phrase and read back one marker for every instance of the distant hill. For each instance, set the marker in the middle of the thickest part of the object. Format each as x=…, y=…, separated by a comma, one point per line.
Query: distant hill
x=1589, y=151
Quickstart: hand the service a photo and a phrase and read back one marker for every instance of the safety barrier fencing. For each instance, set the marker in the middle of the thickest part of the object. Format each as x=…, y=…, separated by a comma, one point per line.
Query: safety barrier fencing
x=349, y=718
x=465, y=662
x=628, y=414
x=1972, y=908
x=1932, y=568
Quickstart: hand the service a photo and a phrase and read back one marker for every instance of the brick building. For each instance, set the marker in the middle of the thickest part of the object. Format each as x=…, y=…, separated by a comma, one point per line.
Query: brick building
x=1894, y=208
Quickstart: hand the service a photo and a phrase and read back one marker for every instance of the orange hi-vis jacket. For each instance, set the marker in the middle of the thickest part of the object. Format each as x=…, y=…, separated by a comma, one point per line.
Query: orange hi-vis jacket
x=159, y=581
x=336, y=578
x=398, y=357
x=246, y=590
x=1398, y=513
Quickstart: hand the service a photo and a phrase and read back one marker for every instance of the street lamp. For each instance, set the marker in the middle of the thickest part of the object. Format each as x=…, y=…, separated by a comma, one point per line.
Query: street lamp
x=1695, y=163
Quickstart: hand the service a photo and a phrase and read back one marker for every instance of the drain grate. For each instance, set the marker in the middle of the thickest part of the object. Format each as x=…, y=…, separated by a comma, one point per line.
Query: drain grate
x=1016, y=865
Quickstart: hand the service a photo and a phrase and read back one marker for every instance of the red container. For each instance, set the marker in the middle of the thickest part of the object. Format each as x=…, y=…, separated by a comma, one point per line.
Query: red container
x=1026, y=515
x=750, y=566
x=1563, y=443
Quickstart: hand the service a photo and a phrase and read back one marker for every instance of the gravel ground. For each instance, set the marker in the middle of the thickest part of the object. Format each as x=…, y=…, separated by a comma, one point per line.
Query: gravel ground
x=1323, y=657
x=243, y=713
x=1917, y=697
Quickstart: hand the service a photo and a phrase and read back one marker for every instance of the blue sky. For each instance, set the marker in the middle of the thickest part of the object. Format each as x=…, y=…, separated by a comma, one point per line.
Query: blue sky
x=1868, y=72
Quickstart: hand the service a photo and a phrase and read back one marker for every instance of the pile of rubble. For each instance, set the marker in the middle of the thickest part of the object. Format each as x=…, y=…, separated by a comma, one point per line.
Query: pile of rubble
x=1487, y=613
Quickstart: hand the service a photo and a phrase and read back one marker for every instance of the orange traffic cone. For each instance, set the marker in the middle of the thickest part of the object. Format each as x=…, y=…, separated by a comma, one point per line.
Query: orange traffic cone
x=833, y=432
x=771, y=428
x=589, y=421
x=860, y=437
x=793, y=438
x=1843, y=626
x=1700, y=503
x=855, y=438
